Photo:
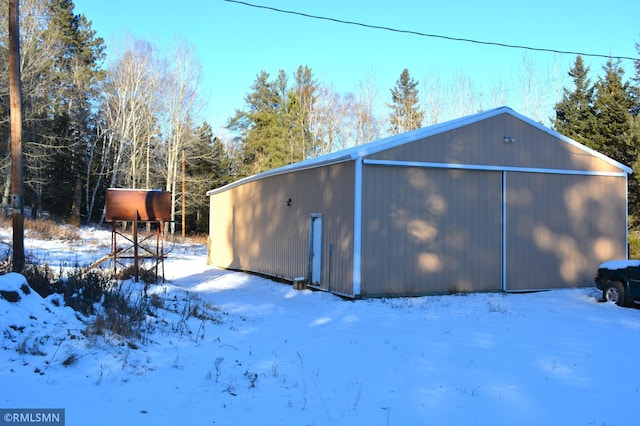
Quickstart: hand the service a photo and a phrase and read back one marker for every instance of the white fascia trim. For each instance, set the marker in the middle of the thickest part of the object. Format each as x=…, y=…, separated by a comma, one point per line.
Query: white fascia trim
x=490, y=168
x=627, y=216
x=357, y=228
x=326, y=160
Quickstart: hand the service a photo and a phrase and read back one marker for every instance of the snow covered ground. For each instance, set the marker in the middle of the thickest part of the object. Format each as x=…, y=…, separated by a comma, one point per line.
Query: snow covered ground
x=261, y=353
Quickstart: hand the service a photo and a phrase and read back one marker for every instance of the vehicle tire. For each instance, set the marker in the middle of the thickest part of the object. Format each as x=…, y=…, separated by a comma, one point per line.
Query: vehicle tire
x=614, y=292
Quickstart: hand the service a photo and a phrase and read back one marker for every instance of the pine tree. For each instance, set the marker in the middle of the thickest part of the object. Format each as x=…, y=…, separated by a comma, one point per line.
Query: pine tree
x=635, y=89
x=634, y=144
x=274, y=129
x=575, y=113
x=604, y=117
x=634, y=180
x=615, y=133
x=259, y=128
x=75, y=71
x=208, y=167
x=613, y=105
x=405, y=105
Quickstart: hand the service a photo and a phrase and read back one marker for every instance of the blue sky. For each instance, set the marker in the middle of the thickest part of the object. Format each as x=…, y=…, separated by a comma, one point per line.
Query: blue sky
x=235, y=42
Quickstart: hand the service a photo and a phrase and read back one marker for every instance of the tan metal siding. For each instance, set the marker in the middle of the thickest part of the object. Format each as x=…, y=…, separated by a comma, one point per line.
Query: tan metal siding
x=561, y=227
x=430, y=231
x=220, y=240
x=482, y=143
x=255, y=227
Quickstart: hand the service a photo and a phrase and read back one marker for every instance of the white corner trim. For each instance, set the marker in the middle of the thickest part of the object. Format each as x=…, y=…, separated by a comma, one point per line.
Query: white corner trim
x=357, y=229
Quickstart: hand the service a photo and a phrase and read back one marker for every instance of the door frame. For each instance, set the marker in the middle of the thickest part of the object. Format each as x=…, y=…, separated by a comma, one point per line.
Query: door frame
x=315, y=250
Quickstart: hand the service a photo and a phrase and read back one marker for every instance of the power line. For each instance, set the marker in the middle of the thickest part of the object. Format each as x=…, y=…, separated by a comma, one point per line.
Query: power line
x=443, y=37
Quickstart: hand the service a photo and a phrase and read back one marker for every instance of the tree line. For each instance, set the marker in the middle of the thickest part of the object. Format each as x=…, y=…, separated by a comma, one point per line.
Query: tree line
x=88, y=127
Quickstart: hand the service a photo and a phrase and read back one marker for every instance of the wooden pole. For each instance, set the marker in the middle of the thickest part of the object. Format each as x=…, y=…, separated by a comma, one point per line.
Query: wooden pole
x=15, y=108
x=136, y=264
x=184, y=198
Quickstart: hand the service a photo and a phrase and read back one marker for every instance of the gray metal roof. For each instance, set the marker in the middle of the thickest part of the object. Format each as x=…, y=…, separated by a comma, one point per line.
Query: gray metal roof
x=364, y=150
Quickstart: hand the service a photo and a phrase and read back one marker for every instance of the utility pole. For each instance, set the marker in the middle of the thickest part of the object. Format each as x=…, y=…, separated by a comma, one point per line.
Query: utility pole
x=184, y=197
x=15, y=110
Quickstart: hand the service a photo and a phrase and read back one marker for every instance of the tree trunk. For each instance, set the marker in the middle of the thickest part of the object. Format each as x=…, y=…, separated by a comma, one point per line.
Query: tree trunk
x=77, y=201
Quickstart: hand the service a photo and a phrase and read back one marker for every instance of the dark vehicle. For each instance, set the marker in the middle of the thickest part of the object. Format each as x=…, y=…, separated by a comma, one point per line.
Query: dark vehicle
x=619, y=281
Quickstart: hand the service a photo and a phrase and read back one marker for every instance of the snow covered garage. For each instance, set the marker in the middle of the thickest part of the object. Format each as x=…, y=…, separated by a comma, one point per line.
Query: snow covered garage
x=489, y=202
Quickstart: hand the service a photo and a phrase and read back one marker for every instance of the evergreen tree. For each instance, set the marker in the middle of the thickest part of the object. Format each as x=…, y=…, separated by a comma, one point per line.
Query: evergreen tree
x=59, y=152
x=615, y=132
x=208, y=167
x=575, y=113
x=604, y=117
x=635, y=89
x=405, y=105
x=274, y=129
x=260, y=133
x=634, y=179
x=634, y=144
x=613, y=105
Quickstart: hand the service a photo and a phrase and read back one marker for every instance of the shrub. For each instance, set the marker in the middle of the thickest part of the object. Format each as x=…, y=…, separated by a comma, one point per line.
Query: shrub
x=83, y=291
x=42, y=279
x=93, y=294
x=634, y=244
x=147, y=276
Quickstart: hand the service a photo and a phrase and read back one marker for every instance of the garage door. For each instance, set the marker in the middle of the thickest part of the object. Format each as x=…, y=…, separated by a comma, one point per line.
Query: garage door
x=560, y=227
x=430, y=230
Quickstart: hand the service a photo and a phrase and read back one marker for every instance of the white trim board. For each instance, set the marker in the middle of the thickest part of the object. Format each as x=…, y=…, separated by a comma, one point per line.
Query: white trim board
x=455, y=166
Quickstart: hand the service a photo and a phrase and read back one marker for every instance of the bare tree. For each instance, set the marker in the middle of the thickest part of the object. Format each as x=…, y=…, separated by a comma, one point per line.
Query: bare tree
x=98, y=162
x=330, y=120
x=465, y=99
x=531, y=95
x=433, y=97
x=541, y=87
x=498, y=93
x=129, y=108
x=182, y=102
x=367, y=126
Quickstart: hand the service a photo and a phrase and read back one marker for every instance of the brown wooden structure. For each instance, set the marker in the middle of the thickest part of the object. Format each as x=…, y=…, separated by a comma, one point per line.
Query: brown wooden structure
x=133, y=206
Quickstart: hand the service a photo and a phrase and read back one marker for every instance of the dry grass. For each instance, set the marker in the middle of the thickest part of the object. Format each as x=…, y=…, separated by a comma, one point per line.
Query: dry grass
x=200, y=239
x=49, y=229
x=634, y=244
x=45, y=229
